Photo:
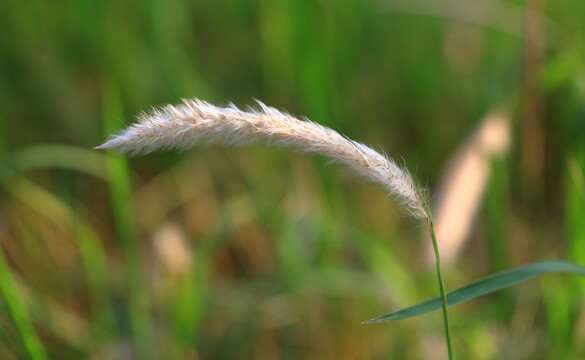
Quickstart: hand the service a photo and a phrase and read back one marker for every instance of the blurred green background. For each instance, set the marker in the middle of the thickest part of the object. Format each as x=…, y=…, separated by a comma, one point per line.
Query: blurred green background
x=253, y=253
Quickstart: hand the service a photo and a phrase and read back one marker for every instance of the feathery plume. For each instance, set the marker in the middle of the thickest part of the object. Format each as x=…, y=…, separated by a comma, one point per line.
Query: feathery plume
x=196, y=122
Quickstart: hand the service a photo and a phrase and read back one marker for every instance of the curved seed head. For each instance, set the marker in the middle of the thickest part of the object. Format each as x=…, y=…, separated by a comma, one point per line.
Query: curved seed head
x=196, y=122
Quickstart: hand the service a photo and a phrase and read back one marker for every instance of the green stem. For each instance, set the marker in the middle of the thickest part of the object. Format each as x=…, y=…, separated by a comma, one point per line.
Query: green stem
x=441, y=284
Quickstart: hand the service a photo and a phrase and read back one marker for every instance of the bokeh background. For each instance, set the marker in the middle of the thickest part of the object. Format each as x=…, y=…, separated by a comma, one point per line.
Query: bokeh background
x=257, y=253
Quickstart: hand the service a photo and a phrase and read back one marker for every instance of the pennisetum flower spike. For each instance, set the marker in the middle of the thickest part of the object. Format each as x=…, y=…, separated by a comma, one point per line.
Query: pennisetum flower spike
x=196, y=122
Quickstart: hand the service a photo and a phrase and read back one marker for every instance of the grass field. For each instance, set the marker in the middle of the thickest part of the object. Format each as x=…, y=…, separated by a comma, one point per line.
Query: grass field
x=254, y=253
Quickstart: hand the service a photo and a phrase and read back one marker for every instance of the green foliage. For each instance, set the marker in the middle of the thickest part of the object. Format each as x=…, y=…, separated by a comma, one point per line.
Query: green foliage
x=483, y=287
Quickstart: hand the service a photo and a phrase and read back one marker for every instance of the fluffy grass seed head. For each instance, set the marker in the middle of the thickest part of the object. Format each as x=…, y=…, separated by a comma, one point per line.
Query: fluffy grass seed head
x=196, y=122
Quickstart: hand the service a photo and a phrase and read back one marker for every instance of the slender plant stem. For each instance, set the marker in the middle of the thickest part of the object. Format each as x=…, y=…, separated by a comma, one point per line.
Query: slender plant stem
x=441, y=283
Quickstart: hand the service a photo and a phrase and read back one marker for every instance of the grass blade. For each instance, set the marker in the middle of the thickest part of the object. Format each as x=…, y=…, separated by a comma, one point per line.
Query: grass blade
x=483, y=287
x=32, y=344
x=53, y=156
